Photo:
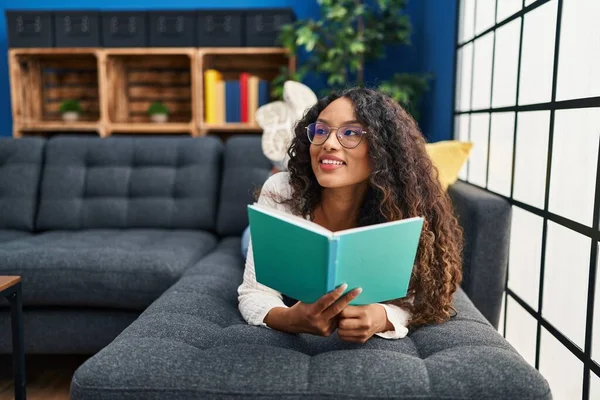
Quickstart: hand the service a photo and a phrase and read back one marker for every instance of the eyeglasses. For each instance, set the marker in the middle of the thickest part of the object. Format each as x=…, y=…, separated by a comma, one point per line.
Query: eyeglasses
x=349, y=136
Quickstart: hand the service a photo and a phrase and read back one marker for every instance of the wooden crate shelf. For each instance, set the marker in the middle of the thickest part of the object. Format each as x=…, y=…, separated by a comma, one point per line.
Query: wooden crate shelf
x=40, y=82
x=136, y=80
x=115, y=87
x=230, y=62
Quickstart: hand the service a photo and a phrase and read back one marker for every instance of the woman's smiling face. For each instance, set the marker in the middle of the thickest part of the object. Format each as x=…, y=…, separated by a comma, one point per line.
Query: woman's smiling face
x=333, y=164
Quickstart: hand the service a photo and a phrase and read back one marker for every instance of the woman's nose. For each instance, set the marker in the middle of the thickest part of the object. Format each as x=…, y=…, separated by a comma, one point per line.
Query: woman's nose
x=332, y=142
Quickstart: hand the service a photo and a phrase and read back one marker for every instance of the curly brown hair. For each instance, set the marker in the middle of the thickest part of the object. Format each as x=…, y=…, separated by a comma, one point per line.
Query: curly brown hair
x=403, y=184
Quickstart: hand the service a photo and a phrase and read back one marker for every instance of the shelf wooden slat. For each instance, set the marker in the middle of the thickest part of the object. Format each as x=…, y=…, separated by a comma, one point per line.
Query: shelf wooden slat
x=231, y=127
x=149, y=51
x=54, y=50
x=59, y=126
x=242, y=50
x=150, y=127
x=158, y=92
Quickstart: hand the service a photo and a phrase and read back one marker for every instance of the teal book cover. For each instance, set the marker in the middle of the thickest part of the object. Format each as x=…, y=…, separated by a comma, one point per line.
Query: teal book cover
x=304, y=261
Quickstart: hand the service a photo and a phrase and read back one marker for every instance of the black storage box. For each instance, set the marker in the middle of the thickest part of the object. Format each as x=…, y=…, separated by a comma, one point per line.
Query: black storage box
x=77, y=28
x=263, y=25
x=29, y=28
x=124, y=29
x=172, y=29
x=220, y=28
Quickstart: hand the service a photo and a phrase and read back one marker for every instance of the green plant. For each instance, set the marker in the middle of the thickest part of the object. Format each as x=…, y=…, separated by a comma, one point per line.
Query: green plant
x=157, y=107
x=349, y=34
x=70, y=105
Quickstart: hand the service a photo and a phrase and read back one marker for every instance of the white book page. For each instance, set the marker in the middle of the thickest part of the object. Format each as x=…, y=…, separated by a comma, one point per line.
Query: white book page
x=293, y=219
x=376, y=226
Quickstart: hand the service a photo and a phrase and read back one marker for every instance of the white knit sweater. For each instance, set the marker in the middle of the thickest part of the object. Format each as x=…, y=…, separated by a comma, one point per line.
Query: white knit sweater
x=256, y=300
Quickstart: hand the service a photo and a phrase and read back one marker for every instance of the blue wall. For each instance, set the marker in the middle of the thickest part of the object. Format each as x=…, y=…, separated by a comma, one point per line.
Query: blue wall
x=432, y=50
x=438, y=44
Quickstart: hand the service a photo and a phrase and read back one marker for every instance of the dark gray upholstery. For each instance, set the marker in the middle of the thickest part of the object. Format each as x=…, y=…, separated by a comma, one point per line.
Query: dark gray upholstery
x=485, y=219
x=20, y=166
x=6, y=235
x=125, y=225
x=124, y=182
x=192, y=343
x=126, y=269
x=245, y=170
x=55, y=330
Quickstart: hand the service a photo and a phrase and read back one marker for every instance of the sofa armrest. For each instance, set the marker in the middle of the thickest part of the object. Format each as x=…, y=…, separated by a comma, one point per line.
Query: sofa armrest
x=485, y=219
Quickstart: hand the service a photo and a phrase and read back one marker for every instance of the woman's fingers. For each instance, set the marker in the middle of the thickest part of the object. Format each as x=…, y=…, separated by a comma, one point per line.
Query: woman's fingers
x=321, y=316
x=353, y=312
x=328, y=299
x=351, y=324
x=341, y=304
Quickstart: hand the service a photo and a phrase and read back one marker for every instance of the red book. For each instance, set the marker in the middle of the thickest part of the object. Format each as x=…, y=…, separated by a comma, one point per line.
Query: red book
x=244, y=96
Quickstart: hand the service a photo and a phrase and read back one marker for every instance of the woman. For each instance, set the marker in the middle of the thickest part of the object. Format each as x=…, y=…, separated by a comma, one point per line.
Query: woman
x=359, y=159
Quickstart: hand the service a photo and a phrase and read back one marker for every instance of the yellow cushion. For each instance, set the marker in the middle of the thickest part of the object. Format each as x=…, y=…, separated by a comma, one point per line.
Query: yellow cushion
x=448, y=156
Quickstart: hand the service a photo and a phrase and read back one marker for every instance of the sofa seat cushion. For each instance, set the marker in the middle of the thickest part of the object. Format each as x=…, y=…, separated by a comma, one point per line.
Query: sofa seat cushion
x=193, y=343
x=125, y=269
x=6, y=235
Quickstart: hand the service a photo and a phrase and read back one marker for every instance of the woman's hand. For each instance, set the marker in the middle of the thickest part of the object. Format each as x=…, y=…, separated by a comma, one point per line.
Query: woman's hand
x=358, y=323
x=320, y=317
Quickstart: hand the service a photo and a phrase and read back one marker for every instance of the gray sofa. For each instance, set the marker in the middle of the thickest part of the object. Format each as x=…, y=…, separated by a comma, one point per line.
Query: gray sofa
x=129, y=249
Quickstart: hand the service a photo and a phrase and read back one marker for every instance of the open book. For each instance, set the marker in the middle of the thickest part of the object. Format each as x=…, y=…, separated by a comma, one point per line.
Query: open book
x=304, y=261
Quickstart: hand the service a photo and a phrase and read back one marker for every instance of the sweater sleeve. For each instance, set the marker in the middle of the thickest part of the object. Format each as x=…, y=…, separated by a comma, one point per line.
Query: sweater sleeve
x=255, y=299
x=399, y=319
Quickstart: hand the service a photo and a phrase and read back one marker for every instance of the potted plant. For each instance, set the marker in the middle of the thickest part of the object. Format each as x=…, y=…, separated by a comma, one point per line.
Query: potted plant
x=70, y=110
x=158, y=112
x=349, y=34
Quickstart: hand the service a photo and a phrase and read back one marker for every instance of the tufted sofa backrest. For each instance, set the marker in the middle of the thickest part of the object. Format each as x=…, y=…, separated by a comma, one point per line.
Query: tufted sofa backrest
x=128, y=182
x=245, y=169
x=20, y=166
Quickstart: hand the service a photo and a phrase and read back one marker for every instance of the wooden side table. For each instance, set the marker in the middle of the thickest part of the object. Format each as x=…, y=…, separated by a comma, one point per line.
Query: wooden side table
x=10, y=288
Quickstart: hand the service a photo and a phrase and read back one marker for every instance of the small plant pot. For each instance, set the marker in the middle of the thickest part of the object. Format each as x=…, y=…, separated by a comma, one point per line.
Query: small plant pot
x=159, y=118
x=70, y=116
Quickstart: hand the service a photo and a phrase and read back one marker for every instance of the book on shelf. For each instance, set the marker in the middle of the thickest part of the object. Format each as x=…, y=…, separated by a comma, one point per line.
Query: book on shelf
x=220, y=102
x=244, y=76
x=263, y=92
x=233, y=100
x=304, y=261
x=211, y=77
x=252, y=98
